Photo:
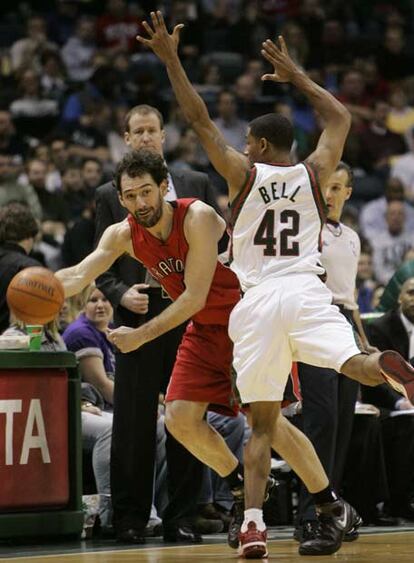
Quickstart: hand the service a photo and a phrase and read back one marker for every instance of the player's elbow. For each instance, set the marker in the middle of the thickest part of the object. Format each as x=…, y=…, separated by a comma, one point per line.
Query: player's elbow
x=196, y=302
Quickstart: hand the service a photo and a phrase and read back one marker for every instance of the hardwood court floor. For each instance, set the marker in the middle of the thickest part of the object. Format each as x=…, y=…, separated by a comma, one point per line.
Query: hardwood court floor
x=370, y=548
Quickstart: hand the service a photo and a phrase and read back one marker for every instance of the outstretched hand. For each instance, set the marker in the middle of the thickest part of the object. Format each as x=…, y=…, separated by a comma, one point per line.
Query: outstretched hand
x=278, y=56
x=163, y=44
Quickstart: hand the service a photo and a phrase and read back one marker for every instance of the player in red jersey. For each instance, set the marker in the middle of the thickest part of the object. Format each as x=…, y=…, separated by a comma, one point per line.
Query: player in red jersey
x=177, y=243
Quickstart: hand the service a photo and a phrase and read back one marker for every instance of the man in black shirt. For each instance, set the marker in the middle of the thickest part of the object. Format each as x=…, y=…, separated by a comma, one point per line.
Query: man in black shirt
x=18, y=228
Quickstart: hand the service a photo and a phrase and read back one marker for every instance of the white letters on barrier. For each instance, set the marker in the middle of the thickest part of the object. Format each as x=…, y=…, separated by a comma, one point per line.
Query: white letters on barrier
x=31, y=440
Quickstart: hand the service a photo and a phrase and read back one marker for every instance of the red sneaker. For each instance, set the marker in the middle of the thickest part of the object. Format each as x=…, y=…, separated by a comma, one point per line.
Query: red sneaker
x=397, y=372
x=253, y=543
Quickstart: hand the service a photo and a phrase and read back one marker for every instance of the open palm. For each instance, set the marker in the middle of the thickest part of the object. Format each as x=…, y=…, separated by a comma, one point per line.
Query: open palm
x=163, y=44
x=278, y=56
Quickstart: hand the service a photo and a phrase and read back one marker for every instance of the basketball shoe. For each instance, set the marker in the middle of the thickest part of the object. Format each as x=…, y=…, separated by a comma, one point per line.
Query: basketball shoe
x=237, y=513
x=253, y=542
x=397, y=372
x=335, y=520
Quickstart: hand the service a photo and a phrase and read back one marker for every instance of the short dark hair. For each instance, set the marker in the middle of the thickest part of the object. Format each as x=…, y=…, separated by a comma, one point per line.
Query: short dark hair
x=142, y=109
x=344, y=166
x=275, y=128
x=17, y=223
x=138, y=163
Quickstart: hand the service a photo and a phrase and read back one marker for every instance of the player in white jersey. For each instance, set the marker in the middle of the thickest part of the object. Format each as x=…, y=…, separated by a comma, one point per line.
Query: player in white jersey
x=287, y=315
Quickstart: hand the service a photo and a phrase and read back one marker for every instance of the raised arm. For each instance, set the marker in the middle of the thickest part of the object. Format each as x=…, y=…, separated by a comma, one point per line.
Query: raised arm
x=203, y=229
x=113, y=243
x=336, y=117
x=232, y=165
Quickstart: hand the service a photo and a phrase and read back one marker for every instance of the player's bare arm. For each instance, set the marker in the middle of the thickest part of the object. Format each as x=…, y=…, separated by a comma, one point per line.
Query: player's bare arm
x=203, y=229
x=336, y=117
x=116, y=240
x=232, y=165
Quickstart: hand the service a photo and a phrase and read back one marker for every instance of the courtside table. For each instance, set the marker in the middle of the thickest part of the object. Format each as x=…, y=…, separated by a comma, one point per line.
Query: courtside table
x=40, y=445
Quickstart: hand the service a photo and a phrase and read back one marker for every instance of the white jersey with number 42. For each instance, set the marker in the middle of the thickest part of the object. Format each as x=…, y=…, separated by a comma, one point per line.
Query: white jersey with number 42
x=276, y=224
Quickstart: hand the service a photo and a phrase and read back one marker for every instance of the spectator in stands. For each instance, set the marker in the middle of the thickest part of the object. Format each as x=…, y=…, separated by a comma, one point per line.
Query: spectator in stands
x=379, y=143
x=92, y=175
x=372, y=219
x=54, y=212
x=403, y=168
x=233, y=128
x=88, y=137
x=53, y=76
x=86, y=337
x=393, y=58
x=390, y=246
x=401, y=115
x=74, y=192
x=18, y=229
x=27, y=52
x=79, y=50
x=353, y=95
x=33, y=114
x=365, y=282
x=117, y=28
x=10, y=143
x=11, y=190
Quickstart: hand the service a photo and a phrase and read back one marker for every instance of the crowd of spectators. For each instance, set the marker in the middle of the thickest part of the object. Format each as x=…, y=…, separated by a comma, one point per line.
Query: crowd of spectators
x=70, y=72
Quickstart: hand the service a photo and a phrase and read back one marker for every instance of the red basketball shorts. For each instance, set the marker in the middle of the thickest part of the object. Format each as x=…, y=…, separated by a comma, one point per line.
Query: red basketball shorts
x=202, y=370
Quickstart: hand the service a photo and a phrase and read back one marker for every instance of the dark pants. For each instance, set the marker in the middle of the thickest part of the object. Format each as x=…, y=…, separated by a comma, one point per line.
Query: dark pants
x=328, y=403
x=140, y=377
x=365, y=480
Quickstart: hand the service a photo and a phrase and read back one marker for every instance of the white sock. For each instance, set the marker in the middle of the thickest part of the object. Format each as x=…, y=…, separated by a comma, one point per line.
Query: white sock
x=253, y=515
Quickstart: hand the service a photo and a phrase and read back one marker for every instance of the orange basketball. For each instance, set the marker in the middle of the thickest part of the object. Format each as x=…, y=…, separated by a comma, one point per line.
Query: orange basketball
x=35, y=295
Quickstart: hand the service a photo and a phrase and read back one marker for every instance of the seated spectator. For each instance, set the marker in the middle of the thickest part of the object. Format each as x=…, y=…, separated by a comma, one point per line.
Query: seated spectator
x=79, y=50
x=10, y=143
x=379, y=143
x=393, y=57
x=389, y=247
x=74, y=191
x=403, y=168
x=88, y=137
x=33, y=114
x=92, y=175
x=54, y=212
x=401, y=116
x=372, y=219
x=232, y=127
x=365, y=282
x=117, y=28
x=352, y=93
x=18, y=229
x=52, y=76
x=86, y=337
x=11, y=190
x=79, y=238
x=27, y=52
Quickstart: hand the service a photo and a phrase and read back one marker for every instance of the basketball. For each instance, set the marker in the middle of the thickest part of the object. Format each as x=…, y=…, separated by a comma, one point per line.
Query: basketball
x=35, y=295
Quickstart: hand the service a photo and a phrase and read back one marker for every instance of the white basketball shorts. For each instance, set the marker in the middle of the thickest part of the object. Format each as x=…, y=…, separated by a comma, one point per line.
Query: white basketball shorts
x=286, y=319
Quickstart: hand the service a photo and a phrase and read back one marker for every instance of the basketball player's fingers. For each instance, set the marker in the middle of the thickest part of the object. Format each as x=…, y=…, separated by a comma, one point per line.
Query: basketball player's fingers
x=148, y=28
x=268, y=57
x=160, y=19
x=271, y=47
x=142, y=40
x=283, y=45
x=154, y=20
x=269, y=77
x=177, y=30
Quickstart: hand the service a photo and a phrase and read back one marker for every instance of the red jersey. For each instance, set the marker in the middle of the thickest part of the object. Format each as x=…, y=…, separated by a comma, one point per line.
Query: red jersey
x=165, y=260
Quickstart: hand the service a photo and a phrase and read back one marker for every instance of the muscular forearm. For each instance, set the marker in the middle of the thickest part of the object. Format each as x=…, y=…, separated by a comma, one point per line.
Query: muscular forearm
x=191, y=103
x=73, y=282
x=322, y=101
x=177, y=313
